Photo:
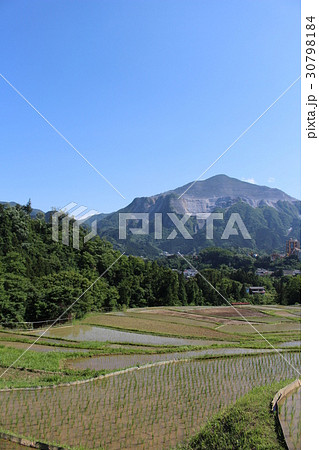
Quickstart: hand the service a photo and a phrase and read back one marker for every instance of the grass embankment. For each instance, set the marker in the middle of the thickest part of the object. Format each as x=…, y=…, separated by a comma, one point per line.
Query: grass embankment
x=50, y=361
x=47, y=369
x=42, y=369
x=248, y=424
x=35, y=369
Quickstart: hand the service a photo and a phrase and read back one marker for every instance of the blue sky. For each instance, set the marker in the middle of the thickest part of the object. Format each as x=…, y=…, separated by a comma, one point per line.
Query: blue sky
x=151, y=92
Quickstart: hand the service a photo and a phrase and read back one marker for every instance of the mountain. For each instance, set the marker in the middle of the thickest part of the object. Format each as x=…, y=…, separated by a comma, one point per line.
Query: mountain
x=219, y=191
x=270, y=216
x=33, y=213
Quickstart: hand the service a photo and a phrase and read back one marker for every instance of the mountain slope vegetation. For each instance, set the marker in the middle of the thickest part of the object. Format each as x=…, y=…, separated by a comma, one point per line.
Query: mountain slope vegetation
x=40, y=278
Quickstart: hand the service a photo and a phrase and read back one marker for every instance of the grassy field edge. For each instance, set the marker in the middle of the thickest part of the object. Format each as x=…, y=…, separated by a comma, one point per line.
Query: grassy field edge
x=249, y=423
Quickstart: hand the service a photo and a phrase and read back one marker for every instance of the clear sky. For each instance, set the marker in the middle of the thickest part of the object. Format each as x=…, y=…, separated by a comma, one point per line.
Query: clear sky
x=151, y=92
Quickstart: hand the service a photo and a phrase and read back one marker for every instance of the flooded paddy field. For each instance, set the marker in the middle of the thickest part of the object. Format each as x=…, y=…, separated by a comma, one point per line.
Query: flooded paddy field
x=290, y=419
x=291, y=344
x=208, y=318
x=153, y=408
x=262, y=328
x=160, y=400
x=173, y=326
x=115, y=362
x=92, y=333
x=156, y=323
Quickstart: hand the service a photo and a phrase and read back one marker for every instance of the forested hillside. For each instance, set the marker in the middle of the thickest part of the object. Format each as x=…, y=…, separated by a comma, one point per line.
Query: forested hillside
x=39, y=278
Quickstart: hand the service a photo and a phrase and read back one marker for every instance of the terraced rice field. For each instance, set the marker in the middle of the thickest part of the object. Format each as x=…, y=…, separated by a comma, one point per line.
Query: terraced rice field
x=146, y=408
x=290, y=419
x=215, y=323
x=291, y=344
x=84, y=333
x=263, y=328
x=115, y=362
x=39, y=348
x=157, y=325
x=160, y=326
x=171, y=315
x=18, y=374
x=200, y=316
x=226, y=311
x=143, y=407
x=7, y=445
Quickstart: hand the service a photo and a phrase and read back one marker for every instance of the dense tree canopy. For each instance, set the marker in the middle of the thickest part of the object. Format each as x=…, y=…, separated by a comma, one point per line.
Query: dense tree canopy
x=40, y=278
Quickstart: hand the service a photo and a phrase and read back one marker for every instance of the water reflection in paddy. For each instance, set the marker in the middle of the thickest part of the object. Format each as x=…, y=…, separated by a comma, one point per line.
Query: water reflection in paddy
x=291, y=344
x=101, y=334
x=121, y=361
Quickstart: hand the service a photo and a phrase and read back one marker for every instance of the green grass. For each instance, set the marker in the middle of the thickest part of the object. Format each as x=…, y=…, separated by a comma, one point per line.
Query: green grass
x=46, y=361
x=41, y=369
x=248, y=424
x=22, y=379
x=241, y=355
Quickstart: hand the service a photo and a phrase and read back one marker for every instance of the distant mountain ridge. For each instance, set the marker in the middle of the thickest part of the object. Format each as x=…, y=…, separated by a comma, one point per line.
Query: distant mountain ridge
x=269, y=214
x=222, y=186
x=219, y=191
